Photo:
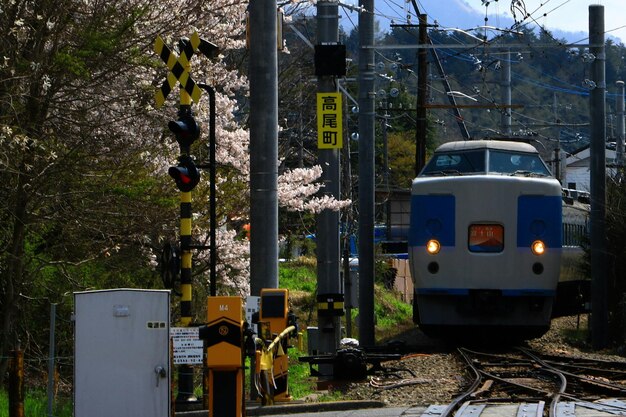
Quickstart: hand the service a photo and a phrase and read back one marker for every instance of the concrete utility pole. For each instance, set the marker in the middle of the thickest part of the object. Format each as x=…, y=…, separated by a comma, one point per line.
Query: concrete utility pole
x=263, y=146
x=621, y=133
x=558, y=174
x=506, y=94
x=348, y=221
x=421, y=124
x=446, y=84
x=328, y=239
x=597, y=105
x=367, y=119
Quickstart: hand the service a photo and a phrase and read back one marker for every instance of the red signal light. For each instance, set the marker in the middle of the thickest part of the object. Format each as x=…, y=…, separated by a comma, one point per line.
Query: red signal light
x=185, y=174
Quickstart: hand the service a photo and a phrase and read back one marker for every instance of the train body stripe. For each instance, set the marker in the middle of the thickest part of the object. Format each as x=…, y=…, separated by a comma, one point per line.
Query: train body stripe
x=432, y=216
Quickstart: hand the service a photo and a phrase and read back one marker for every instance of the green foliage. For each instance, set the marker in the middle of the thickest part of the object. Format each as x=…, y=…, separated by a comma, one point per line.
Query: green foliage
x=401, y=148
x=65, y=61
x=36, y=405
x=300, y=382
x=102, y=39
x=390, y=312
x=298, y=276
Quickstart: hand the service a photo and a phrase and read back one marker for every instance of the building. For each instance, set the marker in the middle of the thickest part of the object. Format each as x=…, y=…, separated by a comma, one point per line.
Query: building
x=577, y=168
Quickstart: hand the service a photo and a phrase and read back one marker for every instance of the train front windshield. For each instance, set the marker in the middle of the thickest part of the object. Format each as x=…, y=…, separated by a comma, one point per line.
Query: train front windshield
x=474, y=162
x=515, y=163
x=456, y=163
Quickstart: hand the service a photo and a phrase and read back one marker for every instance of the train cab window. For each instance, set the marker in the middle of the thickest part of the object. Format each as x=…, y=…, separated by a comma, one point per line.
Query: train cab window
x=516, y=164
x=457, y=163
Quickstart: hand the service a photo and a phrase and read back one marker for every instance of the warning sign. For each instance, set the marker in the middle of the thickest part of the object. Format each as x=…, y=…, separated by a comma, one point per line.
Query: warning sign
x=187, y=348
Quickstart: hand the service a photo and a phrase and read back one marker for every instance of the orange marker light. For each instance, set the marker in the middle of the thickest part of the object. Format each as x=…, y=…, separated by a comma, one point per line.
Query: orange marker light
x=538, y=247
x=433, y=246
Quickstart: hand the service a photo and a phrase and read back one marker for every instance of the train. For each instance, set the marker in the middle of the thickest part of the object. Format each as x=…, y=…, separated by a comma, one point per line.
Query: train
x=485, y=241
x=574, y=289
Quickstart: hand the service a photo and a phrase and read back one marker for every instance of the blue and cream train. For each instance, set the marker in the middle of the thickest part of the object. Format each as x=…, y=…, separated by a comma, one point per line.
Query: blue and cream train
x=485, y=240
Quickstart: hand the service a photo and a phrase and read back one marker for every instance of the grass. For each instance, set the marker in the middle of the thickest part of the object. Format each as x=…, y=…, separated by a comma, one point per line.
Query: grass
x=300, y=381
x=392, y=315
x=36, y=405
x=298, y=275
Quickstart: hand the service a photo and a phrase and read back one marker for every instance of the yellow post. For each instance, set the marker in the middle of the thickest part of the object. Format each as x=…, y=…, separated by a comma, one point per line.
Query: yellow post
x=224, y=340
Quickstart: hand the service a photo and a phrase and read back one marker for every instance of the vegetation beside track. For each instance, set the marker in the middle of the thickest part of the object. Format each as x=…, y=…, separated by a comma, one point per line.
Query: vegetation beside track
x=299, y=276
x=36, y=405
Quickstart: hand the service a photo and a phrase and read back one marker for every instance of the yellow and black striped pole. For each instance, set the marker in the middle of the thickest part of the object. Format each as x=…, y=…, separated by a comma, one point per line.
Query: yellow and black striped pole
x=185, y=372
x=186, y=258
x=185, y=223
x=185, y=173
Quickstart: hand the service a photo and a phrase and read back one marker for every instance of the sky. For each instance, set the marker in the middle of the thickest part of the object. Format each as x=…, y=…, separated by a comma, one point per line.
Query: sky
x=567, y=19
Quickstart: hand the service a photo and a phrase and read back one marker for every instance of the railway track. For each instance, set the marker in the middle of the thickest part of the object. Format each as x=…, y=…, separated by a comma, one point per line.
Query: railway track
x=522, y=383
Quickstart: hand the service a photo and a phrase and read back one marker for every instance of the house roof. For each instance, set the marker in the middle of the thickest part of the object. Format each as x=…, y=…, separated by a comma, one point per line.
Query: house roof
x=582, y=155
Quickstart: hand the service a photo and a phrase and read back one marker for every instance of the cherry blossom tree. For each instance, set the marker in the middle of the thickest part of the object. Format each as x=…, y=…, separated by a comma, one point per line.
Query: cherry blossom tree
x=84, y=152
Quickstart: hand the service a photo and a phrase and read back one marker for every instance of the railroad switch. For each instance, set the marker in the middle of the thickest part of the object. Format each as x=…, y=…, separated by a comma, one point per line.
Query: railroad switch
x=350, y=363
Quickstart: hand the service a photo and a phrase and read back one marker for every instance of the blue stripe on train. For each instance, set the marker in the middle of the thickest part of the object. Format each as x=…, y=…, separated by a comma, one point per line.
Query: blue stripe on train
x=539, y=217
x=432, y=216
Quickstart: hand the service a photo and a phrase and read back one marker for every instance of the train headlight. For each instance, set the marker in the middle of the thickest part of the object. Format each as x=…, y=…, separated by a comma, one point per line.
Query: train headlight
x=538, y=247
x=433, y=246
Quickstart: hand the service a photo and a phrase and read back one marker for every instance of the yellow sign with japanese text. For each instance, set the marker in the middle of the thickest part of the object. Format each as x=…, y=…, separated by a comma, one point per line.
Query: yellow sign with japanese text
x=329, y=121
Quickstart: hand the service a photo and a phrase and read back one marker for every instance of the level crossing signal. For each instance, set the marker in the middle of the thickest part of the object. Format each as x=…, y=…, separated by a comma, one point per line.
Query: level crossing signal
x=185, y=174
x=179, y=65
x=185, y=128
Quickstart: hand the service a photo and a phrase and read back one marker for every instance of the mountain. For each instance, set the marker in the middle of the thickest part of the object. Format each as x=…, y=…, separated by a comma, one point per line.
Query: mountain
x=460, y=14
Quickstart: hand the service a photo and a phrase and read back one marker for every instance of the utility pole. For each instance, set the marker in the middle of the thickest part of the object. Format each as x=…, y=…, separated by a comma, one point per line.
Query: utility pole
x=367, y=120
x=348, y=219
x=505, y=87
x=387, y=205
x=263, y=76
x=557, y=151
x=621, y=134
x=421, y=124
x=446, y=85
x=597, y=105
x=263, y=146
x=328, y=247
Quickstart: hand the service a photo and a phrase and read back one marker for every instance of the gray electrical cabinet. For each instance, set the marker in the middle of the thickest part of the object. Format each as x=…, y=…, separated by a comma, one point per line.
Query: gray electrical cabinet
x=121, y=353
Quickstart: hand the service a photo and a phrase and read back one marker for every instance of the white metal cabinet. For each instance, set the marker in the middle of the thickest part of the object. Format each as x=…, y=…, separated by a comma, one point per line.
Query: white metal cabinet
x=121, y=350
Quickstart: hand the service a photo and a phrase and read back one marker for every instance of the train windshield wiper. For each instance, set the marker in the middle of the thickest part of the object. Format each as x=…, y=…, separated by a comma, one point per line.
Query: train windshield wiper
x=527, y=173
x=445, y=172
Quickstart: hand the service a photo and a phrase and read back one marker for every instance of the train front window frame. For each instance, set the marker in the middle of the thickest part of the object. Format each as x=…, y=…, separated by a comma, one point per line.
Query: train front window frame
x=456, y=163
x=516, y=163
